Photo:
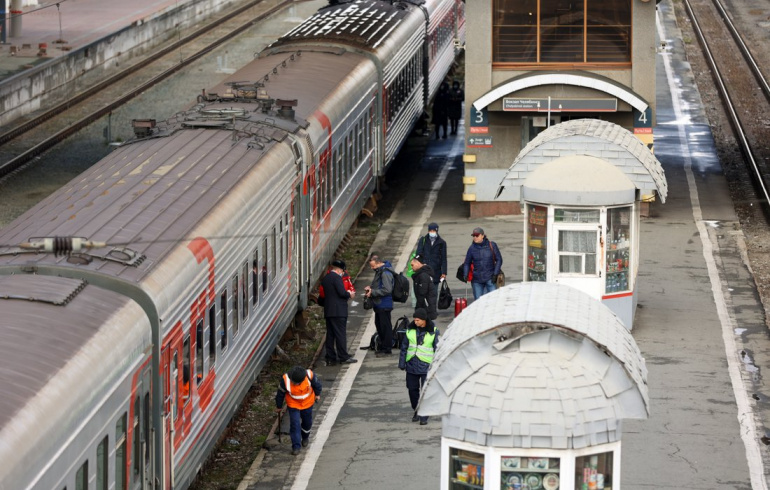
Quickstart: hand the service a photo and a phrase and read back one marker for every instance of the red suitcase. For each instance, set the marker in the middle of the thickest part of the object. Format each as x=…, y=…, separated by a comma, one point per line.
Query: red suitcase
x=460, y=304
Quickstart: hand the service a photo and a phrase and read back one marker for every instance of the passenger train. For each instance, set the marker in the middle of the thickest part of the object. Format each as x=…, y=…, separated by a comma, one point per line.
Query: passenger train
x=139, y=302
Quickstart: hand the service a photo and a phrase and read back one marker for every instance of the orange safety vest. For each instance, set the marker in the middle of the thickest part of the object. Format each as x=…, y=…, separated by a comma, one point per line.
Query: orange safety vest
x=299, y=396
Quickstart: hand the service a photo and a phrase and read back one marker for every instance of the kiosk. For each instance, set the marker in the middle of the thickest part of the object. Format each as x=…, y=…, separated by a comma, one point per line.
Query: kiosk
x=532, y=382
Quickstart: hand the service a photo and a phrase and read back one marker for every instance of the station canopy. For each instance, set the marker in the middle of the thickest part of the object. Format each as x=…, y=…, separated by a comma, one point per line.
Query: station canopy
x=536, y=365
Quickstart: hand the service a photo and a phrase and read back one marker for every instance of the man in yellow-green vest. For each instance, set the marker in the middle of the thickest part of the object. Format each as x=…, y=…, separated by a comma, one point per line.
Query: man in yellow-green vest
x=418, y=347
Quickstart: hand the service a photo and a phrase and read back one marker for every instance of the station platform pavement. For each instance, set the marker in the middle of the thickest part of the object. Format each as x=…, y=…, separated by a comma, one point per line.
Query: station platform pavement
x=75, y=22
x=697, y=318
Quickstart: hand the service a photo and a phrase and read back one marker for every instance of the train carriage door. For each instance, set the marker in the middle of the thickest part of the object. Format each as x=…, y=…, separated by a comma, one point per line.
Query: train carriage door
x=300, y=224
x=171, y=359
x=139, y=431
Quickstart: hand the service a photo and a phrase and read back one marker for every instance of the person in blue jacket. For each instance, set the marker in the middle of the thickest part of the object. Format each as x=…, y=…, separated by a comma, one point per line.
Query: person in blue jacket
x=381, y=293
x=418, y=346
x=484, y=256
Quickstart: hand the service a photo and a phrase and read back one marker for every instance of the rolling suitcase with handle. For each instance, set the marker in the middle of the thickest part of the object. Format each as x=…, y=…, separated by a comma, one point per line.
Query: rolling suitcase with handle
x=461, y=303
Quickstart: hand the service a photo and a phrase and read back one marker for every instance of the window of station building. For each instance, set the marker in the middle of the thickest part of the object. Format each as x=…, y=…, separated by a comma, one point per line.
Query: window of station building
x=466, y=469
x=81, y=477
x=102, y=465
x=561, y=31
x=223, y=316
x=199, y=351
x=618, y=246
x=244, y=284
x=594, y=471
x=120, y=452
x=537, y=242
x=529, y=472
x=212, y=336
x=234, y=286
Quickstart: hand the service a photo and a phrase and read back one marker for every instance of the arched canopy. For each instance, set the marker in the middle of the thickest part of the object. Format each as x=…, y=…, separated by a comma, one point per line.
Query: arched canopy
x=579, y=79
x=538, y=365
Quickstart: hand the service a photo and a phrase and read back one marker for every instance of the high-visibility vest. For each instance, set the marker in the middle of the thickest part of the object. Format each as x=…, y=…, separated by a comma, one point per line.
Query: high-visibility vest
x=299, y=396
x=423, y=352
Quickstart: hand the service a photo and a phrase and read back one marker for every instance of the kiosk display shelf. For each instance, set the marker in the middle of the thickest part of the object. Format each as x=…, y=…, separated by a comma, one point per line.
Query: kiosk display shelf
x=466, y=469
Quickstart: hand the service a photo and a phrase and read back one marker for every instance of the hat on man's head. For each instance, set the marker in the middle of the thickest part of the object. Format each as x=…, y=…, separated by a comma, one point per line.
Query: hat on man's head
x=433, y=226
x=420, y=313
x=338, y=263
x=477, y=231
x=297, y=374
x=419, y=258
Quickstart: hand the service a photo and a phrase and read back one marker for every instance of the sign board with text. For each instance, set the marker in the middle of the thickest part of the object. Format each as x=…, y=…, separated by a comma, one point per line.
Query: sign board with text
x=559, y=105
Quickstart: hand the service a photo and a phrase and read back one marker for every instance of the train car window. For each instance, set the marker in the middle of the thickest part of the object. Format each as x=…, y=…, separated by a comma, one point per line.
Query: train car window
x=102, y=465
x=120, y=453
x=264, y=265
x=343, y=154
x=272, y=256
x=280, y=244
x=199, y=374
x=255, y=279
x=81, y=477
x=146, y=424
x=244, y=292
x=174, y=381
x=223, y=316
x=360, y=140
x=286, y=237
x=236, y=325
x=137, y=456
x=186, y=369
x=212, y=336
x=351, y=155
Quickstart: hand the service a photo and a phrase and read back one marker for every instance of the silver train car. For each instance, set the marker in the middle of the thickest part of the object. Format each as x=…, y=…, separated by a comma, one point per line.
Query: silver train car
x=139, y=302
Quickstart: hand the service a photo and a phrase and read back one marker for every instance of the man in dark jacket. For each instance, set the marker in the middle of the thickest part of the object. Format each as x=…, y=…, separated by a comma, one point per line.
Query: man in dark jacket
x=417, y=349
x=424, y=289
x=433, y=249
x=381, y=291
x=336, y=315
x=485, y=257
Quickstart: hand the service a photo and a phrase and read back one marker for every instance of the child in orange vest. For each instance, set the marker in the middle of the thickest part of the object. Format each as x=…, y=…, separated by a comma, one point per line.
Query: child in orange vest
x=301, y=389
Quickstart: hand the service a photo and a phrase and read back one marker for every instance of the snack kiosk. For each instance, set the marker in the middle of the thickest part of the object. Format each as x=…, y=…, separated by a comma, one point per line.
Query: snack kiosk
x=532, y=382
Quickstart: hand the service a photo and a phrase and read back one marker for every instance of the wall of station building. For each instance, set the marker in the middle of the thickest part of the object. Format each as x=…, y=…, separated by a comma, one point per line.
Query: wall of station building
x=507, y=132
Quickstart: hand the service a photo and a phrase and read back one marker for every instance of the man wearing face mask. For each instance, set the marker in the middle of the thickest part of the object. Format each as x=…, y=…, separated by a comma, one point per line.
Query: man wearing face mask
x=432, y=248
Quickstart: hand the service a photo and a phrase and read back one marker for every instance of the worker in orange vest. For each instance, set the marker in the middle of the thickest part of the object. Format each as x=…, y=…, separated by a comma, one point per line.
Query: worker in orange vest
x=301, y=389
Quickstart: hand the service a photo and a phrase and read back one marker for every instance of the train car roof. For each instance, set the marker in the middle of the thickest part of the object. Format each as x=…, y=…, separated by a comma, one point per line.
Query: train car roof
x=147, y=196
x=363, y=23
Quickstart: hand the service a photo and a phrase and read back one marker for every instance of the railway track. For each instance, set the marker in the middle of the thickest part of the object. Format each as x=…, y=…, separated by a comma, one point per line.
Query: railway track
x=742, y=87
x=224, y=29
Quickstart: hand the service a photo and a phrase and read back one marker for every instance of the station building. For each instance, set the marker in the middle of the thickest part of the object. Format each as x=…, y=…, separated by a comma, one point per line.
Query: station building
x=531, y=64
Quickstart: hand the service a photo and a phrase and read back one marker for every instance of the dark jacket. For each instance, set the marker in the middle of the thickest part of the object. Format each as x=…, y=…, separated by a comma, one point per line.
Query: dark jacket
x=435, y=254
x=486, y=260
x=425, y=291
x=280, y=395
x=335, y=296
x=415, y=365
x=382, y=287
x=440, y=105
x=456, y=98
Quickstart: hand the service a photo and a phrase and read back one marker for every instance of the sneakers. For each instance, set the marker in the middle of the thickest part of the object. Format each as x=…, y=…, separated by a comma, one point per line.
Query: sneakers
x=415, y=417
x=423, y=420
x=305, y=442
x=295, y=452
x=350, y=360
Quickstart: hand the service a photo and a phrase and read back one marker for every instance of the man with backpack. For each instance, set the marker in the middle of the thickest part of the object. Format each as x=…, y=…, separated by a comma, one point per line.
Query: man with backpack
x=380, y=291
x=300, y=388
x=424, y=288
x=418, y=346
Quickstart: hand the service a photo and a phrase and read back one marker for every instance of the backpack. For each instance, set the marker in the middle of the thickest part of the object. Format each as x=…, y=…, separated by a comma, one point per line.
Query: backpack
x=399, y=330
x=400, y=287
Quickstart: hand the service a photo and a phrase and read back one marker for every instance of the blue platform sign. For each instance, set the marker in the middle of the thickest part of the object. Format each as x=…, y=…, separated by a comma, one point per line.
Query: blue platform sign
x=479, y=121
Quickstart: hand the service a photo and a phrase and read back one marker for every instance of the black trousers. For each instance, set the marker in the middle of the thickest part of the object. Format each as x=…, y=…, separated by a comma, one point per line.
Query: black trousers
x=414, y=383
x=384, y=329
x=336, y=338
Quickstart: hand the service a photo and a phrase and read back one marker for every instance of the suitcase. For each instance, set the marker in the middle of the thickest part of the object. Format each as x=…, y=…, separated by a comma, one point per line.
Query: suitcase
x=460, y=304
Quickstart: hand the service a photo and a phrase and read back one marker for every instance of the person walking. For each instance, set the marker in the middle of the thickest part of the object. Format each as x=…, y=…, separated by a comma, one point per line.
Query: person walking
x=433, y=250
x=380, y=291
x=301, y=389
x=484, y=256
x=455, y=109
x=440, y=107
x=417, y=348
x=335, y=302
x=424, y=288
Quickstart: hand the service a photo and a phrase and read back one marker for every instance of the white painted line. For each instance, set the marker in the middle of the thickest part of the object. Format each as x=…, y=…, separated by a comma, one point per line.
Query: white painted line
x=345, y=384
x=745, y=415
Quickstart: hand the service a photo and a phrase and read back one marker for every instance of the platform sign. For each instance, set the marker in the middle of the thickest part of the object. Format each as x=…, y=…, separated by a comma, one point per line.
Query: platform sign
x=479, y=121
x=479, y=142
x=559, y=105
x=643, y=127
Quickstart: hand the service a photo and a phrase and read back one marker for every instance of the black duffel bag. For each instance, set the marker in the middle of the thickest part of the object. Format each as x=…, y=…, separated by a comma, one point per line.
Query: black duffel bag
x=444, y=296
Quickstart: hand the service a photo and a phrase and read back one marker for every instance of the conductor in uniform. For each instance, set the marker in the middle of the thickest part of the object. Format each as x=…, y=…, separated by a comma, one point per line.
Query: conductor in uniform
x=336, y=315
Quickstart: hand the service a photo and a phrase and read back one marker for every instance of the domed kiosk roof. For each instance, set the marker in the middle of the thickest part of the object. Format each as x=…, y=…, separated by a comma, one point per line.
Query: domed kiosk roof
x=536, y=365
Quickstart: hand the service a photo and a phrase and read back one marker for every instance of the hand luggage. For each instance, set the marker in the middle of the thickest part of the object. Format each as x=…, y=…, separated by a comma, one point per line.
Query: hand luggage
x=460, y=304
